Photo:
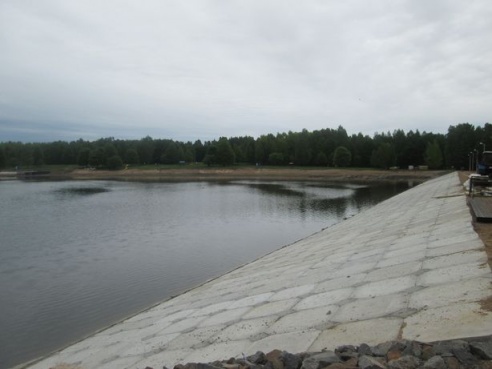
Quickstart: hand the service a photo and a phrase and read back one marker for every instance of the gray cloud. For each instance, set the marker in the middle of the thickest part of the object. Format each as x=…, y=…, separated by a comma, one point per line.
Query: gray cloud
x=203, y=69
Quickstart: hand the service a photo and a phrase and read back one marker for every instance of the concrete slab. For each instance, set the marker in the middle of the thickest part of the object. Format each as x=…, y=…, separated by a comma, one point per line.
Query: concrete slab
x=458, y=258
x=451, y=321
x=453, y=274
x=167, y=358
x=324, y=299
x=293, y=292
x=341, y=282
x=217, y=351
x=448, y=294
x=375, y=307
x=272, y=308
x=372, y=332
x=393, y=271
x=385, y=287
x=197, y=338
x=229, y=316
x=245, y=329
x=251, y=300
x=318, y=318
x=290, y=342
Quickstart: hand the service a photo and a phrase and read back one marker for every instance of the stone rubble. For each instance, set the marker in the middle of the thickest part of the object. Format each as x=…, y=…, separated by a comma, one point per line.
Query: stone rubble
x=405, y=354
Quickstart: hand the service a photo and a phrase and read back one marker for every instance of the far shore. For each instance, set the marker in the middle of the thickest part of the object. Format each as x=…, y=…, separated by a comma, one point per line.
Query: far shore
x=190, y=173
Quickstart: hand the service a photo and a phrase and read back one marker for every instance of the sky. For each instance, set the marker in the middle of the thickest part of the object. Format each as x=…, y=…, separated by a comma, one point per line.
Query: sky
x=203, y=69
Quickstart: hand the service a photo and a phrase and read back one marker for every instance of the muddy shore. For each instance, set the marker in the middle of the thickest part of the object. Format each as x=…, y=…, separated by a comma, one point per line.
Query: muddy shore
x=253, y=173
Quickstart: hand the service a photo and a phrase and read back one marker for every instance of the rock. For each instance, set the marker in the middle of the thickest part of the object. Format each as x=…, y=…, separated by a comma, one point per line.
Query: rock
x=413, y=348
x=382, y=349
x=369, y=362
x=482, y=349
x=427, y=352
x=290, y=361
x=257, y=358
x=274, y=360
x=393, y=355
x=435, y=362
x=345, y=348
x=349, y=364
x=200, y=366
x=452, y=363
x=465, y=357
x=347, y=352
x=453, y=354
x=405, y=362
x=446, y=347
x=321, y=360
x=364, y=349
x=227, y=365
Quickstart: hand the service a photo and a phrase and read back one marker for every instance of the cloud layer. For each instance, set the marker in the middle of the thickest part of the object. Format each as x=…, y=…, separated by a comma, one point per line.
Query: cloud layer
x=204, y=69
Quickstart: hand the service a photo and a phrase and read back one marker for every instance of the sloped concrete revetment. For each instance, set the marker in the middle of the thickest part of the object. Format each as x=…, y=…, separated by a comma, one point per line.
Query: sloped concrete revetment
x=411, y=267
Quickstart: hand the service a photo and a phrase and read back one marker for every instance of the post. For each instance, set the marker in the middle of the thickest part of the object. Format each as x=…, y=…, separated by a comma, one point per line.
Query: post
x=476, y=159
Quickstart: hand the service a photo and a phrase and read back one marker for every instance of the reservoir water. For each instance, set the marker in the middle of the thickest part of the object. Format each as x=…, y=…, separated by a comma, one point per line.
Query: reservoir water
x=77, y=256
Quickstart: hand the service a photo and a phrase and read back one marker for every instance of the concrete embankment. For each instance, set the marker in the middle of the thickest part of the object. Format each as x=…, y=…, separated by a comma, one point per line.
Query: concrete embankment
x=410, y=268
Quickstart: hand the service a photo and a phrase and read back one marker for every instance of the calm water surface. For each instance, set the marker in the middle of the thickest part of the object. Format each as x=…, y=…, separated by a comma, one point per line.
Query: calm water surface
x=78, y=256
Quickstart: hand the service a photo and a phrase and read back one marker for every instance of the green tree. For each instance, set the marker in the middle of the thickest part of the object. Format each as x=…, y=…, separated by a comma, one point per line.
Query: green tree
x=433, y=155
x=114, y=163
x=210, y=157
x=97, y=157
x=131, y=157
x=173, y=154
x=3, y=159
x=384, y=156
x=83, y=157
x=303, y=151
x=461, y=140
x=145, y=150
x=224, y=154
x=262, y=149
x=361, y=148
x=37, y=156
x=321, y=159
x=200, y=151
x=109, y=151
x=276, y=158
x=342, y=157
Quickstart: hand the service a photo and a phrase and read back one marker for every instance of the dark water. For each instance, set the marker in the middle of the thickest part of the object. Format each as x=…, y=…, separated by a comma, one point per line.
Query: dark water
x=78, y=256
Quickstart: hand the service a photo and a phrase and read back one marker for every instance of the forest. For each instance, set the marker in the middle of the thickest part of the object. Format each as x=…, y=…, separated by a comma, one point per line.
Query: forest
x=457, y=149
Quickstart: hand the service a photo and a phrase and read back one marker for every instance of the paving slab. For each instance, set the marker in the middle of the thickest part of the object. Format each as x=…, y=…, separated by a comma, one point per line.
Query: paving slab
x=411, y=267
x=449, y=322
x=371, y=332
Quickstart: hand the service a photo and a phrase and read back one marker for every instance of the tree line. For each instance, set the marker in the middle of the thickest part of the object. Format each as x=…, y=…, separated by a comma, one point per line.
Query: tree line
x=325, y=147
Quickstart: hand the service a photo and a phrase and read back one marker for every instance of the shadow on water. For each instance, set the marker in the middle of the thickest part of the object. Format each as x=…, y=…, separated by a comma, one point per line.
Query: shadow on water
x=276, y=189
x=82, y=190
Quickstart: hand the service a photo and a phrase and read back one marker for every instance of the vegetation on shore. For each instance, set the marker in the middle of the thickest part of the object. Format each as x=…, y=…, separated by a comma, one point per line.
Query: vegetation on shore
x=320, y=148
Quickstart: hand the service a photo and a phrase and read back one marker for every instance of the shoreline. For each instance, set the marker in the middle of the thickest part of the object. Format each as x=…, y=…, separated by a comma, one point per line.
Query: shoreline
x=242, y=173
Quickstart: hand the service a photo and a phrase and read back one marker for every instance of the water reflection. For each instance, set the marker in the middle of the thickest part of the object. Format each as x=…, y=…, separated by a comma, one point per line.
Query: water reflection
x=81, y=190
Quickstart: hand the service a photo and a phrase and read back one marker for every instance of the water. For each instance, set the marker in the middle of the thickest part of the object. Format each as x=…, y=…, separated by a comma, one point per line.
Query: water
x=76, y=256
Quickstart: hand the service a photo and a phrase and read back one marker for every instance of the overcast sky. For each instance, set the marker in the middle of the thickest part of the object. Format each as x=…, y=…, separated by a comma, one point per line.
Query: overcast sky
x=201, y=69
